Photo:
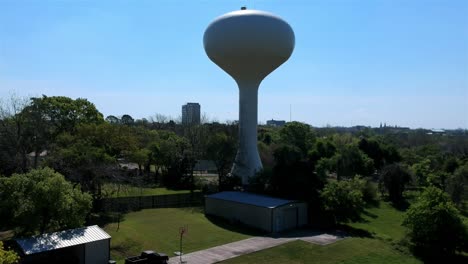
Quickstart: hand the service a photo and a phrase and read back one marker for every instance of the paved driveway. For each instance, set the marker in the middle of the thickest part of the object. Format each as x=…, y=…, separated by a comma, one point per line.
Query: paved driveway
x=246, y=246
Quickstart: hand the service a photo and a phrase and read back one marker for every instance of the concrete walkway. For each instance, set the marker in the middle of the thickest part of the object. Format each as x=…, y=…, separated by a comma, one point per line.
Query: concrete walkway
x=246, y=246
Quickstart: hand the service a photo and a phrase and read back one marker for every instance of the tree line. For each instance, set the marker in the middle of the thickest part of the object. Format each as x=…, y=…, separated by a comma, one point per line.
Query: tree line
x=67, y=144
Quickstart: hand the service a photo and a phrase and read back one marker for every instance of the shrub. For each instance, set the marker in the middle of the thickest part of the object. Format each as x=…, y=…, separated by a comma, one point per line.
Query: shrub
x=7, y=256
x=369, y=193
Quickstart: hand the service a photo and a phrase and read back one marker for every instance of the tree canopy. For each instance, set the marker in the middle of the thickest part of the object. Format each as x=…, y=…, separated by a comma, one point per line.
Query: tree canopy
x=42, y=201
x=435, y=226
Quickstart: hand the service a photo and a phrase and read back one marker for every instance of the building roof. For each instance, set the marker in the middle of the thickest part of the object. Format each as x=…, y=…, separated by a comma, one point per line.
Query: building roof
x=62, y=239
x=250, y=198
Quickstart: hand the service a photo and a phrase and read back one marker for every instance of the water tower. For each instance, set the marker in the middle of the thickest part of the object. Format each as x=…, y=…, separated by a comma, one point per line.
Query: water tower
x=248, y=45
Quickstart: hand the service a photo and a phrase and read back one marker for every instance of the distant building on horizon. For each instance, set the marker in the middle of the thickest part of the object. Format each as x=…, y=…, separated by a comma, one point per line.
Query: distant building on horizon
x=276, y=123
x=191, y=114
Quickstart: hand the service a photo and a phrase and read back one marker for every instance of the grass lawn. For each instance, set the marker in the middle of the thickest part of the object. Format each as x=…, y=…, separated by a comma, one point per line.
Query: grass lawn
x=383, y=222
x=125, y=190
x=158, y=229
x=351, y=250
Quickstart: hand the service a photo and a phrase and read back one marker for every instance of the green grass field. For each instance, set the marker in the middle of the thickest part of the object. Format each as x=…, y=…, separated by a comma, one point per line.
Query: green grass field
x=383, y=222
x=383, y=226
x=158, y=229
x=125, y=190
x=350, y=250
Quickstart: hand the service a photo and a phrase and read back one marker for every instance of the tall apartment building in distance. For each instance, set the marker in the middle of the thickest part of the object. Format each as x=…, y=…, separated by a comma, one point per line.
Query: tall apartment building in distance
x=191, y=114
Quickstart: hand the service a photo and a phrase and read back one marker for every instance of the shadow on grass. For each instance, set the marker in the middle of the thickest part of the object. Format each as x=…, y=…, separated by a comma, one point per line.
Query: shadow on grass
x=355, y=232
x=104, y=218
x=237, y=227
x=194, y=209
x=401, y=205
x=431, y=258
x=369, y=214
x=373, y=203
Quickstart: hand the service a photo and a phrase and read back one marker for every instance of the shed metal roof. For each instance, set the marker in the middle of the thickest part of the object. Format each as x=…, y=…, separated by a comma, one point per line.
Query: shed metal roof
x=62, y=239
x=250, y=198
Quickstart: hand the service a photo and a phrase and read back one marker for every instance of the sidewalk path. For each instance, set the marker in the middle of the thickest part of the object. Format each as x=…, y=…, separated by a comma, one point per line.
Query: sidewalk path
x=246, y=246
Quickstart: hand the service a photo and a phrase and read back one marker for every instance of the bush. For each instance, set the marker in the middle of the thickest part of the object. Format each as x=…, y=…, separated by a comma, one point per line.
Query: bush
x=435, y=225
x=343, y=199
x=369, y=193
x=7, y=256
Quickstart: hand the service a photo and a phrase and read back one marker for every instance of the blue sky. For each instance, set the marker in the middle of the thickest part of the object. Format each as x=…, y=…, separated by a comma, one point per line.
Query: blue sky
x=356, y=62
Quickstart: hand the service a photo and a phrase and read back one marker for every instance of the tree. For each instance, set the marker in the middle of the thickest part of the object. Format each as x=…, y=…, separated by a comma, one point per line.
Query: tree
x=7, y=256
x=221, y=149
x=64, y=114
x=323, y=149
x=13, y=139
x=421, y=170
x=140, y=157
x=381, y=153
x=85, y=157
x=435, y=226
x=293, y=177
x=457, y=183
x=127, y=120
x=393, y=180
x=112, y=119
x=343, y=199
x=350, y=161
x=299, y=135
x=41, y=201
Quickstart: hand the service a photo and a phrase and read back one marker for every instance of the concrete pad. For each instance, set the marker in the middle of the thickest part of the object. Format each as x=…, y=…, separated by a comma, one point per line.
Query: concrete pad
x=246, y=246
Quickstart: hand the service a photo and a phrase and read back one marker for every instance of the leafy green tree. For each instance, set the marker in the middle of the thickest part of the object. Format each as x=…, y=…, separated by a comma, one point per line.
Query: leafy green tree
x=293, y=177
x=175, y=160
x=393, y=181
x=350, y=161
x=64, y=114
x=127, y=120
x=379, y=152
x=457, y=184
x=41, y=201
x=140, y=157
x=343, y=199
x=299, y=135
x=84, y=157
x=435, y=225
x=450, y=164
x=48, y=117
x=323, y=148
x=421, y=170
x=7, y=256
x=221, y=149
x=112, y=119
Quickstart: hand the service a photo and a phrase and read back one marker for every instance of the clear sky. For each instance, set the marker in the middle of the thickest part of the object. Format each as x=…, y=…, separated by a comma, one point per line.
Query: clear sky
x=356, y=62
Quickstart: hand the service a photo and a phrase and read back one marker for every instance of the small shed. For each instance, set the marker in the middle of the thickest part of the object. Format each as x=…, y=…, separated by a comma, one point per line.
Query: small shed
x=86, y=245
x=262, y=212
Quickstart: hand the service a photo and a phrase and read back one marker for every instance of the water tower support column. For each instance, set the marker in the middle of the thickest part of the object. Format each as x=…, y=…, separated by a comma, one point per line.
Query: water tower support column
x=247, y=161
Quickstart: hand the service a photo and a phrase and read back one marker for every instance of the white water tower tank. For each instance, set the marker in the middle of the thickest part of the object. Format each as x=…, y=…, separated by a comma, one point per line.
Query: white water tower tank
x=248, y=45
